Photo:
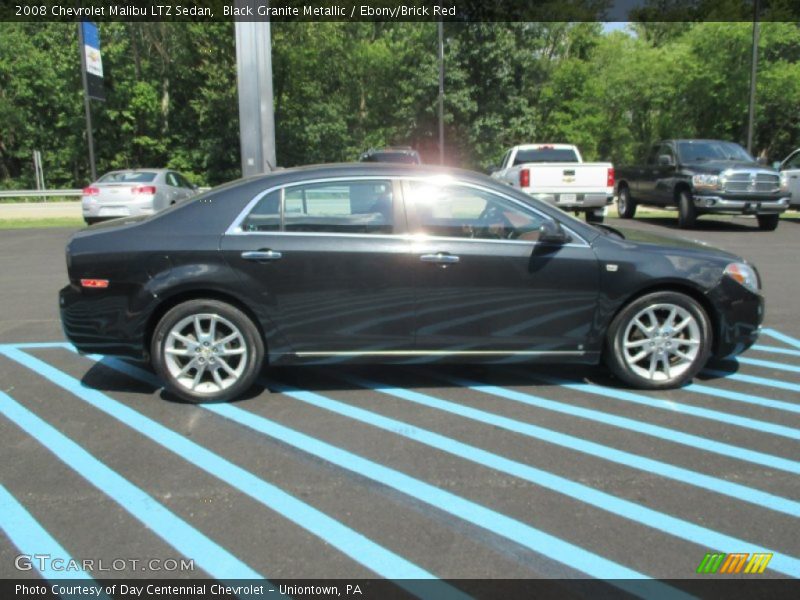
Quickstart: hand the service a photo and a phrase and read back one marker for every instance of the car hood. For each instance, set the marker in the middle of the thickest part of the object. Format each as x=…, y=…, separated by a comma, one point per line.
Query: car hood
x=638, y=236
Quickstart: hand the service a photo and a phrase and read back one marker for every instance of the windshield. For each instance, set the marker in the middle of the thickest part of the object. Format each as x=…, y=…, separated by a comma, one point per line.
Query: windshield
x=698, y=151
x=543, y=155
x=127, y=177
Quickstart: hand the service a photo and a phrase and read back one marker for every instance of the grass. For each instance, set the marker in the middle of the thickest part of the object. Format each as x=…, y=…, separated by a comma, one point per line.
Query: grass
x=36, y=223
x=39, y=199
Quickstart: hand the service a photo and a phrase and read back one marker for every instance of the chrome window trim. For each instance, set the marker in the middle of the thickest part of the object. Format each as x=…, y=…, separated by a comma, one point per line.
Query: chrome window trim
x=236, y=227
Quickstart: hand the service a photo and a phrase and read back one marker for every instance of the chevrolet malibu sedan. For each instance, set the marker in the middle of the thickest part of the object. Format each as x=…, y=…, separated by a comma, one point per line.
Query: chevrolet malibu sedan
x=133, y=192
x=380, y=263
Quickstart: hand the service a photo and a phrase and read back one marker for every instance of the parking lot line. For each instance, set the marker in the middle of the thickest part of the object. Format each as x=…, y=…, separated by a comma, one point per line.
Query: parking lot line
x=693, y=478
x=698, y=388
x=763, y=381
x=769, y=364
x=676, y=407
x=787, y=339
x=670, y=435
x=30, y=538
x=361, y=549
x=212, y=558
x=775, y=350
x=520, y=533
x=663, y=522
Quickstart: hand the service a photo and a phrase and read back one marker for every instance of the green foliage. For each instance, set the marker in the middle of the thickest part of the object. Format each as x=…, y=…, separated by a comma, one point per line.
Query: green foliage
x=340, y=88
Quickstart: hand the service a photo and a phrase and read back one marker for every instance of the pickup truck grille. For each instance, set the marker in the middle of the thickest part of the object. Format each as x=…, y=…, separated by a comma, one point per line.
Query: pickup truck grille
x=752, y=182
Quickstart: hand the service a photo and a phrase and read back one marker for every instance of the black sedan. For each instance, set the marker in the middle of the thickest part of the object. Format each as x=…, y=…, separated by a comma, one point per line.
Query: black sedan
x=395, y=263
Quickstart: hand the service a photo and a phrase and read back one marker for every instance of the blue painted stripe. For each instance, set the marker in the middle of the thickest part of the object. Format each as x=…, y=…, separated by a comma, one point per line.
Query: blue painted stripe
x=775, y=350
x=764, y=381
x=676, y=407
x=481, y=516
x=624, y=508
x=689, y=477
x=769, y=364
x=31, y=538
x=476, y=514
x=670, y=435
x=787, y=339
x=739, y=397
x=635, y=461
x=176, y=532
x=349, y=542
x=35, y=345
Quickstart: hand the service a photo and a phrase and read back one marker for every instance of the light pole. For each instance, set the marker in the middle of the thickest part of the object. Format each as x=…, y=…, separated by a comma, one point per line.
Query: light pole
x=753, y=71
x=441, y=93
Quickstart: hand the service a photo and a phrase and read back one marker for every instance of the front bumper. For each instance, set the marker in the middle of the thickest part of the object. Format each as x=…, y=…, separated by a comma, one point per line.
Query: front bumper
x=748, y=206
x=738, y=316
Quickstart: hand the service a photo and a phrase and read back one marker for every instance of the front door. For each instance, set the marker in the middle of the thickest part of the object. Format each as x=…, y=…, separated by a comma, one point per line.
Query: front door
x=484, y=282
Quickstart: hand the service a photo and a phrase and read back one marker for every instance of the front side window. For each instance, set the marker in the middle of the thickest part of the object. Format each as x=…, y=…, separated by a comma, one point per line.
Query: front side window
x=465, y=212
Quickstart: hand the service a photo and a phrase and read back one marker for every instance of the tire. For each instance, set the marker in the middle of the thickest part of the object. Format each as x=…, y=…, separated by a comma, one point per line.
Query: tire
x=626, y=205
x=207, y=370
x=90, y=220
x=593, y=217
x=664, y=356
x=768, y=222
x=687, y=212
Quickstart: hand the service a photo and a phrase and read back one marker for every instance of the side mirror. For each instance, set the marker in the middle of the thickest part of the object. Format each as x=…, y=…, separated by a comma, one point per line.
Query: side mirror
x=551, y=232
x=776, y=165
x=665, y=160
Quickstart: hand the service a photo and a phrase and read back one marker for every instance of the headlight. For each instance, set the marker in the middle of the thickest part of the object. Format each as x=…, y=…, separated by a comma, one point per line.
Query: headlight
x=706, y=182
x=784, y=183
x=743, y=274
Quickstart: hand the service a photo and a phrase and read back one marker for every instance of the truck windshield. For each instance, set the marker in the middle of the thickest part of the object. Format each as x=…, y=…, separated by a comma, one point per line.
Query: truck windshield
x=542, y=155
x=697, y=151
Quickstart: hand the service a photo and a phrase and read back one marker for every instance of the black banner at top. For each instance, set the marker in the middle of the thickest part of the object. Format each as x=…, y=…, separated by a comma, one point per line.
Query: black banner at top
x=401, y=10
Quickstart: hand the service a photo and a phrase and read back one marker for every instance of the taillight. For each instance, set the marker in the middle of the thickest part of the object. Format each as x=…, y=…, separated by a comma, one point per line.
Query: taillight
x=524, y=178
x=145, y=189
x=610, y=177
x=90, y=191
x=94, y=283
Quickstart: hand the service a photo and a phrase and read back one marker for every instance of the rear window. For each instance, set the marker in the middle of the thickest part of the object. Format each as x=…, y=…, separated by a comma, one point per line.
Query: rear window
x=540, y=155
x=128, y=177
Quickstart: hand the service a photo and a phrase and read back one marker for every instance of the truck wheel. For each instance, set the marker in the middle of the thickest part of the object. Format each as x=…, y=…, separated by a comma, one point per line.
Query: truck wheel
x=768, y=222
x=687, y=212
x=626, y=206
x=658, y=341
x=207, y=351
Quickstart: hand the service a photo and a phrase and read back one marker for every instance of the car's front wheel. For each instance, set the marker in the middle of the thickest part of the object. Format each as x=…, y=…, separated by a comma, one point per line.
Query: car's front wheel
x=207, y=351
x=659, y=341
x=768, y=222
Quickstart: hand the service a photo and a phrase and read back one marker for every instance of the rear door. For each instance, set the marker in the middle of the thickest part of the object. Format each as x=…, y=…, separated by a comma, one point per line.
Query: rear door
x=328, y=263
x=791, y=170
x=484, y=282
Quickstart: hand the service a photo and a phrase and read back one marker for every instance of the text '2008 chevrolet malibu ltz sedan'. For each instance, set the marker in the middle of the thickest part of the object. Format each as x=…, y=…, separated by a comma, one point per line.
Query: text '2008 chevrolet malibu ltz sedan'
x=394, y=263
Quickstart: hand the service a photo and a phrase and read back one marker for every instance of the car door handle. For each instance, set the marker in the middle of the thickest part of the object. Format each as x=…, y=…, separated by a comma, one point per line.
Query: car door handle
x=261, y=255
x=440, y=258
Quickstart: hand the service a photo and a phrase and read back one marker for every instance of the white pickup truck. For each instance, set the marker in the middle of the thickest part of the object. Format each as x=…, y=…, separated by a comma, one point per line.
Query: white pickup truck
x=557, y=174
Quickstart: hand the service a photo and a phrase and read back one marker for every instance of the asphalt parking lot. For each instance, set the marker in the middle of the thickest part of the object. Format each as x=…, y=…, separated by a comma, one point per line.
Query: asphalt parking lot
x=414, y=472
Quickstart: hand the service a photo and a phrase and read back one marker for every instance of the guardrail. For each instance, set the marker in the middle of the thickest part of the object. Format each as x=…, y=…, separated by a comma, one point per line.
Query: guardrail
x=38, y=193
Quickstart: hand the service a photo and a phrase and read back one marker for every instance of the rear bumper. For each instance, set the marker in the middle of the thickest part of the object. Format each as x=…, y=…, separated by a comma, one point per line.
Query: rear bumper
x=575, y=201
x=98, y=323
x=748, y=206
x=105, y=210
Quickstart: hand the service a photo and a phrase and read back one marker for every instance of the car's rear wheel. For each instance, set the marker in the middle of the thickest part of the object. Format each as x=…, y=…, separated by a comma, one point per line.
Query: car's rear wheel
x=687, y=212
x=659, y=341
x=626, y=205
x=768, y=222
x=207, y=351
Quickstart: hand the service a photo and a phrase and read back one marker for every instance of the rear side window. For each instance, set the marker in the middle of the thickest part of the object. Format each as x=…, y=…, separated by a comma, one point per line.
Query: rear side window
x=128, y=177
x=540, y=155
x=331, y=207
